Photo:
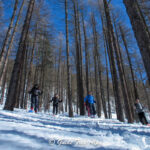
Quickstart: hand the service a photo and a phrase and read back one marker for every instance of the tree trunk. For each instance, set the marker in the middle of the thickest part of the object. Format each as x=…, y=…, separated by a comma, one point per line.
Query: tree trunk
x=4, y=48
x=129, y=60
x=107, y=74
x=22, y=93
x=119, y=109
x=4, y=68
x=141, y=31
x=86, y=55
x=3, y=88
x=11, y=97
x=80, y=90
x=124, y=87
x=106, y=47
x=28, y=85
x=81, y=102
x=68, y=63
x=97, y=55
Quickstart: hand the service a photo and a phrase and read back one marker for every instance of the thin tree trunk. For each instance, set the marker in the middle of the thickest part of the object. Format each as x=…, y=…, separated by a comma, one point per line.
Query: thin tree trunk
x=4, y=68
x=3, y=88
x=4, y=48
x=106, y=47
x=86, y=55
x=99, y=68
x=107, y=74
x=129, y=60
x=81, y=102
x=95, y=58
x=80, y=90
x=68, y=63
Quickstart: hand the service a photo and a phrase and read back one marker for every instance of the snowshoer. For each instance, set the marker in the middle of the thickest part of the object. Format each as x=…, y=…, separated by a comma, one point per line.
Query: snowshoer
x=89, y=103
x=140, y=112
x=35, y=92
x=55, y=101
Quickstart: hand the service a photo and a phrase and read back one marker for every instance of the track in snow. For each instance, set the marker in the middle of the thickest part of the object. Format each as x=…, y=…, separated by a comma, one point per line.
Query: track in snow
x=29, y=131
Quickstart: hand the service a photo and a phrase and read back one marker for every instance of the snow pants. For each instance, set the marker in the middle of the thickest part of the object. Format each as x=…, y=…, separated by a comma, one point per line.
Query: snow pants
x=142, y=118
x=55, y=109
x=92, y=109
x=34, y=103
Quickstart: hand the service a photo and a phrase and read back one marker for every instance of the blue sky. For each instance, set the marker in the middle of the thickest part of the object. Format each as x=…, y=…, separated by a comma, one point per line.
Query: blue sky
x=58, y=14
x=57, y=11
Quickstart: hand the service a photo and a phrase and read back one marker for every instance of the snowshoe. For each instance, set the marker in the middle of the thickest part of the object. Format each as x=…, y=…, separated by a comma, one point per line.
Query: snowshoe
x=31, y=111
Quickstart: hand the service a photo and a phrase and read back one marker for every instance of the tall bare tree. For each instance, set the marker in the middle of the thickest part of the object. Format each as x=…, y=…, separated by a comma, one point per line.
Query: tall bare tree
x=122, y=76
x=129, y=59
x=4, y=68
x=8, y=34
x=86, y=53
x=11, y=97
x=141, y=31
x=95, y=58
x=119, y=109
x=80, y=91
x=69, y=97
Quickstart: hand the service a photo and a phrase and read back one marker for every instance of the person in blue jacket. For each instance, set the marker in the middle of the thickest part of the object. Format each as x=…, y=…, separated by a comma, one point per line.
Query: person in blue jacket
x=89, y=103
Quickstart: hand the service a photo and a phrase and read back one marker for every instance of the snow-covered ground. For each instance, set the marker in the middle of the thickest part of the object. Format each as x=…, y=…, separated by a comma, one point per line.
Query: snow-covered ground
x=21, y=130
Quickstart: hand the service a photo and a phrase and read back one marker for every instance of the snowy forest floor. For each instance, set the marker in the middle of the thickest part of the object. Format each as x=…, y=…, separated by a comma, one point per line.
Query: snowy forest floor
x=29, y=131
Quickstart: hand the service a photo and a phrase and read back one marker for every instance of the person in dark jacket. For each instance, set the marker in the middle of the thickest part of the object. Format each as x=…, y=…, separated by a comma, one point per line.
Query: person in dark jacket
x=55, y=101
x=89, y=103
x=139, y=109
x=35, y=92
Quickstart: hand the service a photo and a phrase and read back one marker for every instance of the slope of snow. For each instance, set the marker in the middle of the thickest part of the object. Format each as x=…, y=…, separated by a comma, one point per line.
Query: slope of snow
x=29, y=131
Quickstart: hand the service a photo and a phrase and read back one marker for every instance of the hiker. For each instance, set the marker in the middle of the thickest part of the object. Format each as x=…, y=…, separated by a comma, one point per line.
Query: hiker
x=55, y=101
x=89, y=103
x=35, y=92
x=139, y=109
